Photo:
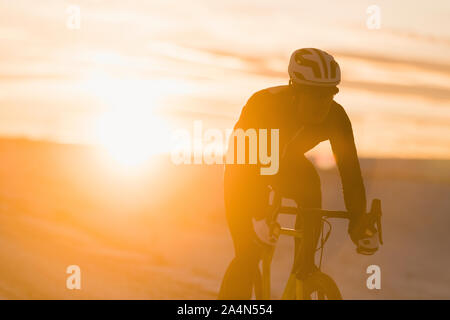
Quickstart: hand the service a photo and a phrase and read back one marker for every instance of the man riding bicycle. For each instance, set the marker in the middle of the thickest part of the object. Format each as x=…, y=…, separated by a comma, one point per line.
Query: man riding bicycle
x=305, y=114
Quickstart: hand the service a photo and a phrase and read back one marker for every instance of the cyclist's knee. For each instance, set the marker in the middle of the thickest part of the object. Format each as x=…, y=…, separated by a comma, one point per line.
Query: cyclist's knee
x=301, y=182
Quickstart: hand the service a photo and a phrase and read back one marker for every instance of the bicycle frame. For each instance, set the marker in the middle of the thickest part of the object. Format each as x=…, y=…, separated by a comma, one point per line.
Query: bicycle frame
x=305, y=255
x=304, y=263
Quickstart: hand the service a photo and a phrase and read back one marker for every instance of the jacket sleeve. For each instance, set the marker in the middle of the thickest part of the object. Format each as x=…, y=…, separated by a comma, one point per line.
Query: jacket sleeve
x=252, y=113
x=344, y=150
x=243, y=183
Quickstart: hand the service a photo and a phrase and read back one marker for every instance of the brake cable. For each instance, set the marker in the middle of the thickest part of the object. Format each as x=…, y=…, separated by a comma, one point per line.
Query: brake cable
x=322, y=240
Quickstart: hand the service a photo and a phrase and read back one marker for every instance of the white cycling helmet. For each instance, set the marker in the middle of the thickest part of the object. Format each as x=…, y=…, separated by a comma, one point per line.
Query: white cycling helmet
x=314, y=67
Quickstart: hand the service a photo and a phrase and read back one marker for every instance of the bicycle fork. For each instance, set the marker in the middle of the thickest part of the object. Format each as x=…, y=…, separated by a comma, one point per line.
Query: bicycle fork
x=294, y=286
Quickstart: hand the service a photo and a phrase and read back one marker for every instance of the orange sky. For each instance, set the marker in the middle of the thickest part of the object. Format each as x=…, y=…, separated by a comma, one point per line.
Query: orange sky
x=149, y=67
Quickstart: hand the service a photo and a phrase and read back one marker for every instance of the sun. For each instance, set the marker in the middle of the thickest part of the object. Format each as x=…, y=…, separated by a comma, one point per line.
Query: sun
x=131, y=138
x=129, y=129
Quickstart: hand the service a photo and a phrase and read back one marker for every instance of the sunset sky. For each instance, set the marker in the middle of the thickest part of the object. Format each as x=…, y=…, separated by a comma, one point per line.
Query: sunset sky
x=136, y=70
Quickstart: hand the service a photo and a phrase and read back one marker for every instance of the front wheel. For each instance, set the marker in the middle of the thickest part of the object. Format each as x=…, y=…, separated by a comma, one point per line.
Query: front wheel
x=319, y=286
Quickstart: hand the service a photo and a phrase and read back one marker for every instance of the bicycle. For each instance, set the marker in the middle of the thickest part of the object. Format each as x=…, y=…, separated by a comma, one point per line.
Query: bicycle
x=306, y=281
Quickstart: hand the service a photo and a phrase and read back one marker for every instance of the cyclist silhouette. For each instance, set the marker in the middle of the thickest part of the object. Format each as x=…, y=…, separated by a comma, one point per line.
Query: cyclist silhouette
x=305, y=114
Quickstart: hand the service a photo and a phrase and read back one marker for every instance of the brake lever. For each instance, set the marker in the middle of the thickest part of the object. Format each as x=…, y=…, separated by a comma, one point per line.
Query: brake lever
x=376, y=210
x=380, y=231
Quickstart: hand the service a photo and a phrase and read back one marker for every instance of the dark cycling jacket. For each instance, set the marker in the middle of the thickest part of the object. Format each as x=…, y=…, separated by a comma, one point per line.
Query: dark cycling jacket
x=273, y=108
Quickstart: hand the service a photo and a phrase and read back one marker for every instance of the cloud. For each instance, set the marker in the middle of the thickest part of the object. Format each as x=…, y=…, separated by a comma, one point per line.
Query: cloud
x=260, y=65
x=428, y=66
x=431, y=92
x=420, y=36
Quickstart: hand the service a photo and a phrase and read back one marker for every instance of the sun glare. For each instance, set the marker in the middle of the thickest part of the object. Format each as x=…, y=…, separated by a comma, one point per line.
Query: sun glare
x=129, y=129
x=131, y=138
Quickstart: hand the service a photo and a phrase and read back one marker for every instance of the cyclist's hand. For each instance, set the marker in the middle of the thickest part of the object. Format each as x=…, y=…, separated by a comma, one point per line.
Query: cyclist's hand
x=265, y=233
x=366, y=240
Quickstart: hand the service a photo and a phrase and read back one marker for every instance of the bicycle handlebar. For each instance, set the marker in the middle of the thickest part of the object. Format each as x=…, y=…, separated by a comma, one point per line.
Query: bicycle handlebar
x=373, y=216
x=324, y=213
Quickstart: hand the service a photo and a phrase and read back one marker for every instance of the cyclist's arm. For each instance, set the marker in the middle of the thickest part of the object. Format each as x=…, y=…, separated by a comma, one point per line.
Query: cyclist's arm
x=245, y=179
x=253, y=113
x=344, y=149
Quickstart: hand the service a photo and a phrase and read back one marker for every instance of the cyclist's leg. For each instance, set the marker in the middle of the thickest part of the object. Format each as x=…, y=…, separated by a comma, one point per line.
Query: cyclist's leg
x=299, y=180
x=239, y=277
x=241, y=273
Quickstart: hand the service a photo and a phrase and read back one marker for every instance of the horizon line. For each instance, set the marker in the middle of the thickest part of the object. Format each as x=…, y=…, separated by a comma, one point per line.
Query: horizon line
x=27, y=139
